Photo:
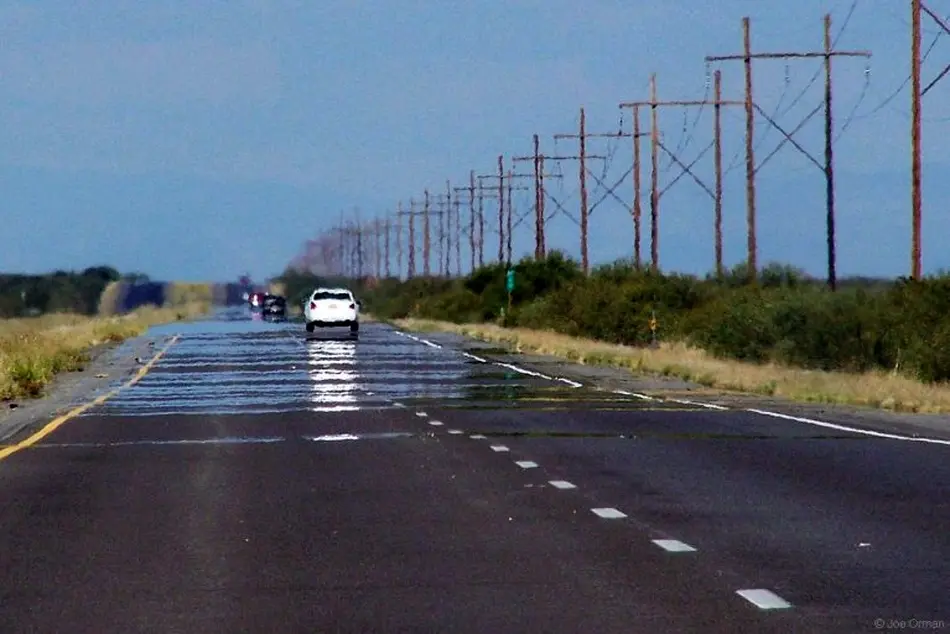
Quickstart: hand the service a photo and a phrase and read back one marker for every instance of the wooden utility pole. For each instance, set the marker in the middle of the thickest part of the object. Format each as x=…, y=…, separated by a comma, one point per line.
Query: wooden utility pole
x=655, y=196
x=458, y=237
x=481, y=224
x=654, y=179
x=448, y=229
x=377, y=247
x=540, y=246
x=508, y=222
x=915, y=140
x=388, y=229
x=399, y=215
x=426, y=244
x=501, y=208
x=747, y=56
x=582, y=159
x=637, y=211
x=585, y=257
x=915, y=131
x=471, y=209
x=717, y=163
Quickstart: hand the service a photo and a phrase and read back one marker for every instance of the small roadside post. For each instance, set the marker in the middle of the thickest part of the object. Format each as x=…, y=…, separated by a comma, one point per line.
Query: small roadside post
x=653, y=341
x=510, y=287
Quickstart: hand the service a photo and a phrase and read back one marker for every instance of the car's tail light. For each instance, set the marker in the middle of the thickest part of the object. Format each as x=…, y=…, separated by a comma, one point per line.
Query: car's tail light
x=352, y=306
x=313, y=305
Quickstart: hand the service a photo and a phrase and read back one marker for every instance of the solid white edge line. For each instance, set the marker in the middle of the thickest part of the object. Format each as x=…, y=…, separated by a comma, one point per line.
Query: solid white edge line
x=763, y=412
x=562, y=484
x=854, y=430
x=569, y=382
x=642, y=397
x=418, y=339
x=764, y=599
x=526, y=464
x=499, y=448
x=475, y=357
x=683, y=401
x=674, y=546
x=609, y=513
x=523, y=371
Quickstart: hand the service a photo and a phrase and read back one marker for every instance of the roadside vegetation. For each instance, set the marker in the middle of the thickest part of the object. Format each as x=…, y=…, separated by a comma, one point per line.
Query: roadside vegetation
x=881, y=343
x=57, y=292
x=34, y=350
x=52, y=323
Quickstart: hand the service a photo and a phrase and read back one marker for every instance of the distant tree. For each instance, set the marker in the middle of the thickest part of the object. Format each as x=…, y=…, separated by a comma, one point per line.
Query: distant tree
x=136, y=278
x=104, y=273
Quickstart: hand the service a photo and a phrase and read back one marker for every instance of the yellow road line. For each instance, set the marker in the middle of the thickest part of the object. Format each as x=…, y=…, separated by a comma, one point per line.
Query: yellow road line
x=51, y=426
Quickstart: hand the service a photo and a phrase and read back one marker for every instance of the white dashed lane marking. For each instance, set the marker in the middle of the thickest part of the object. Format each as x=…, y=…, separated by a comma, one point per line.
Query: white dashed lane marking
x=526, y=464
x=674, y=546
x=499, y=448
x=477, y=437
x=764, y=599
x=609, y=513
x=333, y=437
x=435, y=423
x=561, y=484
x=455, y=432
x=421, y=414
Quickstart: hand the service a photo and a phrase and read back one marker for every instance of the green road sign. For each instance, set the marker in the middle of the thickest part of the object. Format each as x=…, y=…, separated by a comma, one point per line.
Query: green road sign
x=510, y=280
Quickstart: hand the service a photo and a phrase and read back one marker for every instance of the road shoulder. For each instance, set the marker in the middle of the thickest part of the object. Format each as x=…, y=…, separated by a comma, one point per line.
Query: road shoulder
x=666, y=388
x=109, y=366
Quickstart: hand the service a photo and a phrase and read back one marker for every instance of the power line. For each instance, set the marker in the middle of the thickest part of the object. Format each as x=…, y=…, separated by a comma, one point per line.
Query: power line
x=890, y=98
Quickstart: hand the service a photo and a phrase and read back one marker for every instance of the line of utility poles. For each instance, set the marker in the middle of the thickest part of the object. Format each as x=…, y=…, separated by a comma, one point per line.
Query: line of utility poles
x=352, y=237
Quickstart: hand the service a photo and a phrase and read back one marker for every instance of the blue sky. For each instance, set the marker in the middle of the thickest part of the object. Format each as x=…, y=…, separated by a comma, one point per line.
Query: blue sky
x=197, y=140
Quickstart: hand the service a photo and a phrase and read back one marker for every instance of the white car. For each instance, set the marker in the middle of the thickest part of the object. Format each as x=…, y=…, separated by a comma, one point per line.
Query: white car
x=329, y=307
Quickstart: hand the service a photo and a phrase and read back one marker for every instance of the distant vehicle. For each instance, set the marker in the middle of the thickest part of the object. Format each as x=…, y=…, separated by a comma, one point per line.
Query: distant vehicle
x=332, y=307
x=274, y=307
x=256, y=300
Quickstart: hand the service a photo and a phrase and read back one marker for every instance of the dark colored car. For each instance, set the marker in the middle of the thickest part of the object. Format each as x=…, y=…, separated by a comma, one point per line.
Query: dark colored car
x=274, y=307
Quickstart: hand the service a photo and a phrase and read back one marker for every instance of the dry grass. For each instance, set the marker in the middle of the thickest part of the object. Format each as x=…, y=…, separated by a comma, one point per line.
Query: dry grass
x=188, y=294
x=33, y=351
x=880, y=389
x=177, y=294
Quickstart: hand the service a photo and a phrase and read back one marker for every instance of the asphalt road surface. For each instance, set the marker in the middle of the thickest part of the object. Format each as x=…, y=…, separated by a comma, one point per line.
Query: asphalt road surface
x=260, y=480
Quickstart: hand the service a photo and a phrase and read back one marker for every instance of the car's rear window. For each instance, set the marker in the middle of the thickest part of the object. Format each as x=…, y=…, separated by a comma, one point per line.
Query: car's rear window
x=328, y=295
